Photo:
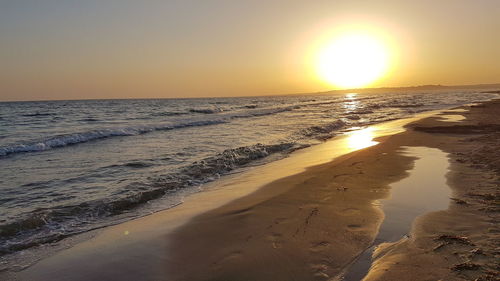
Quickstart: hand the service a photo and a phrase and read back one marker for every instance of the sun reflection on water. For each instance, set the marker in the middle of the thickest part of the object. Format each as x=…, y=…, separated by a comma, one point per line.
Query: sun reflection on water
x=361, y=139
x=351, y=103
x=350, y=96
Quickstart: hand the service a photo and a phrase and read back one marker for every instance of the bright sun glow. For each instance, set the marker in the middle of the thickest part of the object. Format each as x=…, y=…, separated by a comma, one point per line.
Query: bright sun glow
x=352, y=60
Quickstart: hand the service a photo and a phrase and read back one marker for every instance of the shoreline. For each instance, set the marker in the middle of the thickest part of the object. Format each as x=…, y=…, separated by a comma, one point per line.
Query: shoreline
x=244, y=239
x=224, y=223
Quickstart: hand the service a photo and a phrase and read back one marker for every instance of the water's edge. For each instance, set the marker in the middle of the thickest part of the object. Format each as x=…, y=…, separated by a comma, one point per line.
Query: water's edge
x=409, y=199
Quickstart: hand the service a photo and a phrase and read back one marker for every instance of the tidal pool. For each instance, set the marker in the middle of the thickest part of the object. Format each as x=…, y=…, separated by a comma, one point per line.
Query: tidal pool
x=423, y=191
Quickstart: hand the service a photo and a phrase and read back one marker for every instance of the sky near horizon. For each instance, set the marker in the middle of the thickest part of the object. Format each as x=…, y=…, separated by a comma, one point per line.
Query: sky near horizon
x=158, y=49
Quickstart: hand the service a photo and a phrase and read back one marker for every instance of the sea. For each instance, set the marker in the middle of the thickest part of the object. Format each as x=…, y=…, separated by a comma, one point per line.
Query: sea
x=67, y=167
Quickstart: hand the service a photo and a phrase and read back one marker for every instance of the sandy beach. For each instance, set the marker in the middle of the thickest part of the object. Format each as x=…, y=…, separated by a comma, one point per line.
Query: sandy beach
x=313, y=224
x=316, y=229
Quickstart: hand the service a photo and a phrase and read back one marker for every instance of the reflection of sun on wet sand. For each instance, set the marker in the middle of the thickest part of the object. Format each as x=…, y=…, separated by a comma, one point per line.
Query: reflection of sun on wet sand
x=361, y=138
x=314, y=224
x=326, y=219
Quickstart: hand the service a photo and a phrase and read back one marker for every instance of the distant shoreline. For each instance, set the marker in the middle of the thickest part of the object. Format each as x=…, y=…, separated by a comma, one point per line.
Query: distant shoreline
x=422, y=88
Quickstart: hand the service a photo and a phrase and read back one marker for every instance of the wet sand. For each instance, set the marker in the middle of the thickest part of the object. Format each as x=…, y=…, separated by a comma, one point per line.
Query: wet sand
x=313, y=224
x=327, y=218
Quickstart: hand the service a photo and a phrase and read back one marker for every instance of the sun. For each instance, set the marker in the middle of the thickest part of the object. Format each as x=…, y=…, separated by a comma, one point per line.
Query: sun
x=352, y=60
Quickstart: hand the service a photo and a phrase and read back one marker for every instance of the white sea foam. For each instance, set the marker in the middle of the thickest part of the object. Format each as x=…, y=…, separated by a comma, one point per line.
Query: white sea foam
x=82, y=137
x=76, y=138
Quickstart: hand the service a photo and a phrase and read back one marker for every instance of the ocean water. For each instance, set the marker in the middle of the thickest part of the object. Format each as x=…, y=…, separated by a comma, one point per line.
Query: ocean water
x=67, y=167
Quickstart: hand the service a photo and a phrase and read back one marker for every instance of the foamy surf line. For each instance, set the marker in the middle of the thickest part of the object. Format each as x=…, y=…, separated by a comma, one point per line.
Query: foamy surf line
x=72, y=139
x=53, y=224
x=24, y=233
x=105, y=133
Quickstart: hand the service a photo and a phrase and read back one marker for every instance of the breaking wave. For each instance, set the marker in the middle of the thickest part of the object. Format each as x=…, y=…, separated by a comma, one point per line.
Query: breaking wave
x=76, y=138
x=205, y=110
x=325, y=131
x=48, y=225
x=82, y=137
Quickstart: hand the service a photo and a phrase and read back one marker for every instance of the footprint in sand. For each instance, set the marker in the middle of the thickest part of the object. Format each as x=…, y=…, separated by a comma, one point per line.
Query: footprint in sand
x=350, y=211
x=319, y=246
x=279, y=220
x=320, y=271
x=326, y=198
x=276, y=240
x=227, y=258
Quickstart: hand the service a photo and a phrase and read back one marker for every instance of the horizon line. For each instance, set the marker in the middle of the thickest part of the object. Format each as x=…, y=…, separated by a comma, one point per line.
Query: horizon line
x=428, y=87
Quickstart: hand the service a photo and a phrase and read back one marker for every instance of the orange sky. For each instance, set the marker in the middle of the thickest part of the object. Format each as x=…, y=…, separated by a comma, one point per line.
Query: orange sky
x=160, y=49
